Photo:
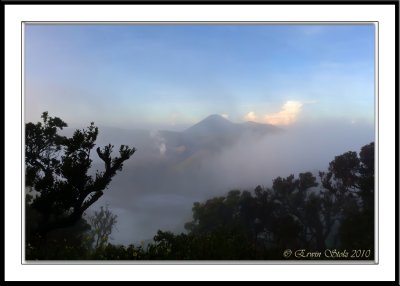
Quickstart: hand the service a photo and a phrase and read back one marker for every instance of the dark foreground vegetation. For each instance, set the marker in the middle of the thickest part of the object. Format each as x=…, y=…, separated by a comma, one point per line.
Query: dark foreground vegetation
x=329, y=215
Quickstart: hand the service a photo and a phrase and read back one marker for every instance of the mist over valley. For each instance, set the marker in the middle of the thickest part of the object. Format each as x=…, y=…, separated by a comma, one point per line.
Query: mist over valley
x=171, y=170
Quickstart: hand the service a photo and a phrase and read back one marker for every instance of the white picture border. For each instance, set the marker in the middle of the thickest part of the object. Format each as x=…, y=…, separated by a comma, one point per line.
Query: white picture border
x=16, y=14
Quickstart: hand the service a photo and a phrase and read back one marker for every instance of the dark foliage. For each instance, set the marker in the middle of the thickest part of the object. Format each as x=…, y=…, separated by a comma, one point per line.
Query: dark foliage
x=333, y=211
x=56, y=169
x=298, y=213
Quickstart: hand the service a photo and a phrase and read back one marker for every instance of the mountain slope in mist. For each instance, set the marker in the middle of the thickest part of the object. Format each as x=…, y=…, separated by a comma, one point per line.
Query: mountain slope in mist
x=215, y=133
x=211, y=135
x=170, y=170
x=216, y=125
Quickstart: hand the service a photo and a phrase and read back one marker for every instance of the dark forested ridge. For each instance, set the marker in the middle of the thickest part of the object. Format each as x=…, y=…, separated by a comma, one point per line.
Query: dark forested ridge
x=329, y=215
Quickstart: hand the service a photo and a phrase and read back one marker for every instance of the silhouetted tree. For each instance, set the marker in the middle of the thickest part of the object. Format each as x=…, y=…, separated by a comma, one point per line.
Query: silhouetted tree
x=351, y=179
x=296, y=213
x=56, y=169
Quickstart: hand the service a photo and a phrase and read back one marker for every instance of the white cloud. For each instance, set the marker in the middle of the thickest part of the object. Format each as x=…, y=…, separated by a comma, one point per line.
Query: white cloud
x=225, y=115
x=287, y=115
x=159, y=141
x=251, y=116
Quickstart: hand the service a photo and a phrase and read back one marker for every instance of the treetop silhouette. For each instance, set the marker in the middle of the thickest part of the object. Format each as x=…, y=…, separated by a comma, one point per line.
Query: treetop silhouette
x=57, y=169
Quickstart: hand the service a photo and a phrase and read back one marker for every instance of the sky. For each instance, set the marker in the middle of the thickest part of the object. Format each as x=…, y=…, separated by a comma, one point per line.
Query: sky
x=172, y=76
x=315, y=82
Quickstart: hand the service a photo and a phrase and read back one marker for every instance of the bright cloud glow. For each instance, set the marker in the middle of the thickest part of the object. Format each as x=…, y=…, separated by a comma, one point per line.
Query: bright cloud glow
x=251, y=116
x=224, y=115
x=288, y=114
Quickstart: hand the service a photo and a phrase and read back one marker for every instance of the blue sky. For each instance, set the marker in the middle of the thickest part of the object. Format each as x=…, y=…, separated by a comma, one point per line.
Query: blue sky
x=169, y=76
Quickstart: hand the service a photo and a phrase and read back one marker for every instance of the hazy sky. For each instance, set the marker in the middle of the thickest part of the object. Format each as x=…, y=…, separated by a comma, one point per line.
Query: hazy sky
x=173, y=75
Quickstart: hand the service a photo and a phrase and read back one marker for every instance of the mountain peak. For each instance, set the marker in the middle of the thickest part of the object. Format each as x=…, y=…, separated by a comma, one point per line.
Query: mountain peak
x=214, y=117
x=218, y=125
x=212, y=123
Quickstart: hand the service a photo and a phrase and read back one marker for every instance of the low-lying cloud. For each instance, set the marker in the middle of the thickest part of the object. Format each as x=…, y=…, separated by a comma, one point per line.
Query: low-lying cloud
x=159, y=141
x=155, y=192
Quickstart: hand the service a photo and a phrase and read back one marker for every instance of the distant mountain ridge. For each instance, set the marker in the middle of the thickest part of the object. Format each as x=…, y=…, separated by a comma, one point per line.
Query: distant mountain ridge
x=217, y=124
x=207, y=137
x=213, y=134
x=212, y=124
